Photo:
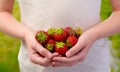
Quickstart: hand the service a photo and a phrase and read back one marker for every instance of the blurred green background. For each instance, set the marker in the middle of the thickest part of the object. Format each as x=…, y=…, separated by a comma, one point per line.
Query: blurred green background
x=9, y=46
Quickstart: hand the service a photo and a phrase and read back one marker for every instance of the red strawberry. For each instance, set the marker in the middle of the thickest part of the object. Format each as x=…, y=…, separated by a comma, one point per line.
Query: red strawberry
x=60, y=35
x=69, y=31
x=50, y=45
x=50, y=32
x=42, y=37
x=61, y=48
x=71, y=41
x=78, y=31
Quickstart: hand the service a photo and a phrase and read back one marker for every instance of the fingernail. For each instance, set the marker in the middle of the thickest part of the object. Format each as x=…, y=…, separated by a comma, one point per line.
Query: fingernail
x=49, y=55
x=68, y=54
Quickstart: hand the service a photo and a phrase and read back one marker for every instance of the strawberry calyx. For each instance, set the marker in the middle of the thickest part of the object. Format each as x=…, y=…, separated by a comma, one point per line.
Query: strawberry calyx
x=78, y=31
x=50, y=47
x=59, y=31
x=51, y=31
x=60, y=44
x=42, y=36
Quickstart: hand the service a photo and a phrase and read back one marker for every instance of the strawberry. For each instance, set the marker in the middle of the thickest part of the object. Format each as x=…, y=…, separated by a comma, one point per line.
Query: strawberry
x=50, y=32
x=50, y=45
x=60, y=35
x=71, y=41
x=69, y=31
x=61, y=48
x=42, y=37
x=78, y=31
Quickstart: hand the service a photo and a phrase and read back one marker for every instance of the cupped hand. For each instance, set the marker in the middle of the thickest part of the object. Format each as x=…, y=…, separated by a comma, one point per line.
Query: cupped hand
x=77, y=53
x=37, y=53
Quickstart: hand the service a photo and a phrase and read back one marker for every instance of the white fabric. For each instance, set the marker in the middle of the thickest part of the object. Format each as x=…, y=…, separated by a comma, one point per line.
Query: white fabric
x=42, y=14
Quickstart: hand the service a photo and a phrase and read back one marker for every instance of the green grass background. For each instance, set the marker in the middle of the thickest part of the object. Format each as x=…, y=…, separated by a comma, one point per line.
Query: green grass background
x=9, y=46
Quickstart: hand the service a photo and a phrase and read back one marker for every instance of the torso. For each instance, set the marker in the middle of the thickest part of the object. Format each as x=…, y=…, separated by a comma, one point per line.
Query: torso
x=42, y=14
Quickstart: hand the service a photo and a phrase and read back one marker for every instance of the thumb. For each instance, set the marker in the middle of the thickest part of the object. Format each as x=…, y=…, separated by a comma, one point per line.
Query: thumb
x=74, y=50
x=44, y=52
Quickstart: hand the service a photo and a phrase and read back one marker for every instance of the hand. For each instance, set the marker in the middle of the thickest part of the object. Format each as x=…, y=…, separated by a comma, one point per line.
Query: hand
x=77, y=53
x=37, y=53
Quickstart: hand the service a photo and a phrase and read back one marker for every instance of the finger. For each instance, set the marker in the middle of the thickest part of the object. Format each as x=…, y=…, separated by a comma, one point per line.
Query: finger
x=61, y=59
x=43, y=51
x=82, y=54
x=46, y=61
x=58, y=64
x=35, y=58
x=66, y=60
x=75, y=49
x=55, y=54
x=74, y=59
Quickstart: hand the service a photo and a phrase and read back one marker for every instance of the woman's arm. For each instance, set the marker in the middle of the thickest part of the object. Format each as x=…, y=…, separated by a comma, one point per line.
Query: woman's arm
x=12, y=27
x=106, y=28
x=111, y=25
x=8, y=24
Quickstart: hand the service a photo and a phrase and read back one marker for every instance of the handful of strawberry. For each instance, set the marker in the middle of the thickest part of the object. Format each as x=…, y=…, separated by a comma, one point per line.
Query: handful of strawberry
x=59, y=39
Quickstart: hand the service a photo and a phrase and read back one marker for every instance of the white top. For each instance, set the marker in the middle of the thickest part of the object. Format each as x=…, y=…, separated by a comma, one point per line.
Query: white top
x=43, y=14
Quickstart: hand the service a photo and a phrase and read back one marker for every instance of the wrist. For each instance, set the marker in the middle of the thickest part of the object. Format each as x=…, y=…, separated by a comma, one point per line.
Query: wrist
x=93, y=34
x=27, y=34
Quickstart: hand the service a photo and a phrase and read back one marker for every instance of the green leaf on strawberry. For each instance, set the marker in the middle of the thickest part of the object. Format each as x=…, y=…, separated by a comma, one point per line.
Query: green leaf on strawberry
x=50, y=45
x=50, y=32
x=78, y=31
x=42, y=37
